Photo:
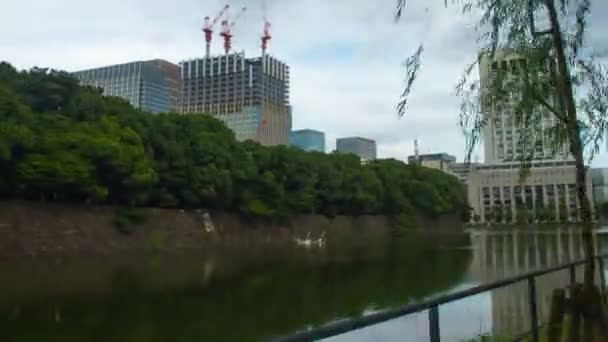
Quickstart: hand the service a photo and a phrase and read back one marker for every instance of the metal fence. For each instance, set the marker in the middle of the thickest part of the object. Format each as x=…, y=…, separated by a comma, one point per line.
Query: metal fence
x=432, y=306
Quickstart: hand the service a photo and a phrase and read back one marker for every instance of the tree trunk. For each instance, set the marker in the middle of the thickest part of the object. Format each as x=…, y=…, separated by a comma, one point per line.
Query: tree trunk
x=564, y=85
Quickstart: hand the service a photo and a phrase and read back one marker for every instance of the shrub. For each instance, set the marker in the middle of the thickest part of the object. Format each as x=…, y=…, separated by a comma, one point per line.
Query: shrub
x=125, y=219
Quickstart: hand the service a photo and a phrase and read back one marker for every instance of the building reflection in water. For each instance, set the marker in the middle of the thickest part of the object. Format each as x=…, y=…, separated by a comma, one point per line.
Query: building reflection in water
x=498, y=255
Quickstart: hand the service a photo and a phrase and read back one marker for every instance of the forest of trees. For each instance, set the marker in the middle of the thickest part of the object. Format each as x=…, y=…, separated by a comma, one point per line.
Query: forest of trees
x=63, y=142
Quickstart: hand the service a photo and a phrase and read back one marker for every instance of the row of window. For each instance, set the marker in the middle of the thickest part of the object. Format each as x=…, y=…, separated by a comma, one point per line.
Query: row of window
x=517, y=65
x=540, y=191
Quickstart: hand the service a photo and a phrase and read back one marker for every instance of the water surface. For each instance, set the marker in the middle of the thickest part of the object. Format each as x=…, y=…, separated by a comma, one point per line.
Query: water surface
x=249, y=293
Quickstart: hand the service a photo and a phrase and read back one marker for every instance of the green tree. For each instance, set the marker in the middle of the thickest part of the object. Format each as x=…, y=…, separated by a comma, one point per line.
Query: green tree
x=508, y=214
x=566, y=65
x=523, y=215
x=497, y=214
x=563, y=211
x=548, y=214
x=63, y=142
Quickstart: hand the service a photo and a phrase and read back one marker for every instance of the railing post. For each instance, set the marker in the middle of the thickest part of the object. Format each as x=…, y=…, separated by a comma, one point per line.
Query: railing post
x=572, y=275
x=434, y=324
x=533, y=311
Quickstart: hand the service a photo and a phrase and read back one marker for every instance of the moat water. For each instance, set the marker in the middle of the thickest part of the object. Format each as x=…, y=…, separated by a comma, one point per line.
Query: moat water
x=256, y=292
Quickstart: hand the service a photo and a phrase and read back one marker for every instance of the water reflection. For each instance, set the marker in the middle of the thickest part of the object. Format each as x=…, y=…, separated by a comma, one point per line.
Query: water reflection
x=237, y=294
x=247, y=293
x=504, y=254
x=503, y=312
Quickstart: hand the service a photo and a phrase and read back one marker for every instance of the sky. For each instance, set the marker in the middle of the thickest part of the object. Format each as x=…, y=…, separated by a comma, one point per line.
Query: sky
x=346, y=56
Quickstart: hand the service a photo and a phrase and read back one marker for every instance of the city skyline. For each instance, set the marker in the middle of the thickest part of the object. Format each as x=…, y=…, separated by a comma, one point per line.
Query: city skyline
x=345, y=58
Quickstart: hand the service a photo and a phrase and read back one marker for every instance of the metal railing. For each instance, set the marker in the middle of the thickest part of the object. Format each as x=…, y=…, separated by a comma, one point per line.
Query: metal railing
x=344, y=326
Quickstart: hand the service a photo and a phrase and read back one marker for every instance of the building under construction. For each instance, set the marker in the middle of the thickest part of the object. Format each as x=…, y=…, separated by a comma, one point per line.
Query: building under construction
x=250, y=95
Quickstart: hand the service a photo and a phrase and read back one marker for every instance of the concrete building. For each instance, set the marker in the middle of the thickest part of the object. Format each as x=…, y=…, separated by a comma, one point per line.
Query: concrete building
x=501, y=134
x=549, y=189
x=444, y=162
x=148, y=85
x=440, y=161
x=250, y=95
x=599, y=179
x=362, y=147
x=497, y=190
x=308, y=140
x=462, y=170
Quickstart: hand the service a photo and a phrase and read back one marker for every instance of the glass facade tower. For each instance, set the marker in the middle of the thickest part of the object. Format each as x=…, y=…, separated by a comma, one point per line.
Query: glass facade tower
x=152, y=86
x=308, y=140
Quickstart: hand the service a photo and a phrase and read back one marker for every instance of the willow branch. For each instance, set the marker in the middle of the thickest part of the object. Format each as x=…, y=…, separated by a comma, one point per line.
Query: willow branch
x=546, y=104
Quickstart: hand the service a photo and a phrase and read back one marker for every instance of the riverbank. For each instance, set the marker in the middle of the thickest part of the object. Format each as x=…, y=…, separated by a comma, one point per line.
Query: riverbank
x=31, y=229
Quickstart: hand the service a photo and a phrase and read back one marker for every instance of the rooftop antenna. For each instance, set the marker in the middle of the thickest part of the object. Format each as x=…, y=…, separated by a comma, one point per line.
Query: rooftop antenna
x=416, y=153
x=208, y=29
x=227, y=30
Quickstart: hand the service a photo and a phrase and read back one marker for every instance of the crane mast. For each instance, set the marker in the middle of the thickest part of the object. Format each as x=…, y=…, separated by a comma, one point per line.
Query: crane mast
x=208, y=29
x=227, y=30
x=265, y=36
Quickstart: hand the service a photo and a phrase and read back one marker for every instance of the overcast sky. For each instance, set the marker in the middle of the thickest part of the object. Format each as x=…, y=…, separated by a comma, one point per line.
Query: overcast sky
x=345, y=55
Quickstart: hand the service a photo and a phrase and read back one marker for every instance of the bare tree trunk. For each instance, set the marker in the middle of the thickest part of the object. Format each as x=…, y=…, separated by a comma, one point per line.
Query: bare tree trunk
x=564, y=85
x=586, y=304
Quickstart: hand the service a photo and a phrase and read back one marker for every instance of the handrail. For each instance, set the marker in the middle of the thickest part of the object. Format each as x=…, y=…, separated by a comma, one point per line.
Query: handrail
x=344, y=326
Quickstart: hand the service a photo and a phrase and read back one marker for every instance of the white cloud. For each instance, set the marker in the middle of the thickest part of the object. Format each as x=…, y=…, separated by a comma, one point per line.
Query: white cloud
x=345, y=55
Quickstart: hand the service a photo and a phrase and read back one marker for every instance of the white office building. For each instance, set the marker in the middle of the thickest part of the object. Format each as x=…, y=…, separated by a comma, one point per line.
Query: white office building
x=497, y=189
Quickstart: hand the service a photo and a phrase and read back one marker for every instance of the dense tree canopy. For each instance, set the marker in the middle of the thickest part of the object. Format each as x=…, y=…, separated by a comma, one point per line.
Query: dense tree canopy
x=64, y=142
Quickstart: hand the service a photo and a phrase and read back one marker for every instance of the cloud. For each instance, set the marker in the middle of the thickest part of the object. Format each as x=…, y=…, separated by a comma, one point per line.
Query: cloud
x=345, y=55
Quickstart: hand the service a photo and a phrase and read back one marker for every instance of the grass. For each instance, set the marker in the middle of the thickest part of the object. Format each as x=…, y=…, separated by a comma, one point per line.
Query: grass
x=126, y=218
x=158, y=240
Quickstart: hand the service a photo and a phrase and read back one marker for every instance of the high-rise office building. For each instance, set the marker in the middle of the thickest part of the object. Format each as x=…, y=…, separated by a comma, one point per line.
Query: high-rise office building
x=308, y=140
x=501, y=134
x=497, y=190
x=148, y=85
x=250, y=95
x=362, y=147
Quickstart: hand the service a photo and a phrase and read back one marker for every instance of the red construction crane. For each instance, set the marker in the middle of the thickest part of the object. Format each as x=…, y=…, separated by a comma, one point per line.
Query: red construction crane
x=208, y=28
x=265, y=36
x=227, y=30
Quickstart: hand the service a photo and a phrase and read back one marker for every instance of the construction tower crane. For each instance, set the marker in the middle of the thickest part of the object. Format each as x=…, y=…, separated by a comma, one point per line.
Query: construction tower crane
x=208, y=29
x=266, y=32
x=265, y=36
x=227, y=30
